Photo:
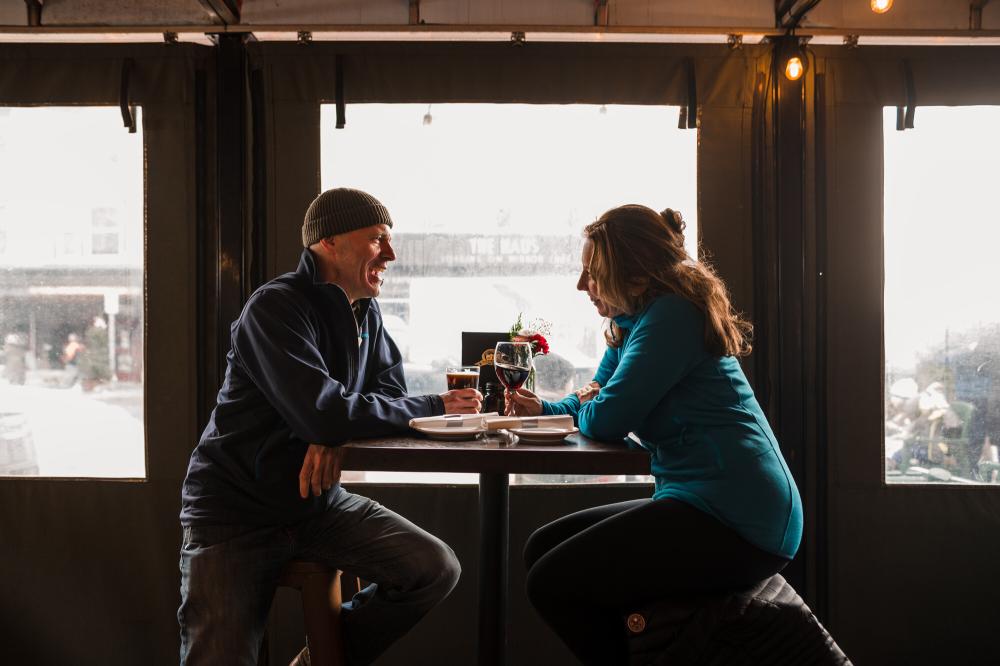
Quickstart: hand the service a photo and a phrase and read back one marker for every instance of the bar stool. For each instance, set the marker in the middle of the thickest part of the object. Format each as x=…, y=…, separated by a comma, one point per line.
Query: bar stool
x=766, y=624
x=319, y=586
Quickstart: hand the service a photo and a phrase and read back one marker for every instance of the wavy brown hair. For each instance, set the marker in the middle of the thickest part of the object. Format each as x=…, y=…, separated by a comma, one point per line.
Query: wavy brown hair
x=639, y=254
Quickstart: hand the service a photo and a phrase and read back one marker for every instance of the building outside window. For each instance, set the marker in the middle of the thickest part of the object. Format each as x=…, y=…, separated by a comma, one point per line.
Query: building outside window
x=105, y=235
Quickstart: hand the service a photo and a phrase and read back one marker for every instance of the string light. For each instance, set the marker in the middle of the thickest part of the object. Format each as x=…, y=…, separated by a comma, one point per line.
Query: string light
x=790, y=53
x=428, y=119
x=881, y=6
x=794, y=68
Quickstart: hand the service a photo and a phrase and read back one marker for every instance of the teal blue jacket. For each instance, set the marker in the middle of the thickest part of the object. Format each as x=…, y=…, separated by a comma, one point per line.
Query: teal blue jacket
x=709, y=442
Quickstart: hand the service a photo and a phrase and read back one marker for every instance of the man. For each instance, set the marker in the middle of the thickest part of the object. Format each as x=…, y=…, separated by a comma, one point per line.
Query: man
x=310, y=368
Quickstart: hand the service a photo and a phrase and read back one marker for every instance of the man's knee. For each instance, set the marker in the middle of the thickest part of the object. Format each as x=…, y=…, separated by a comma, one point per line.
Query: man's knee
x=438, y=566
x=448, y=565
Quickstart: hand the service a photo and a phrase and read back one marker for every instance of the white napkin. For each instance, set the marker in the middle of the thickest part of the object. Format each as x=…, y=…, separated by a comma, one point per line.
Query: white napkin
x=451, y=421
x=561, y=421
x=492, y=421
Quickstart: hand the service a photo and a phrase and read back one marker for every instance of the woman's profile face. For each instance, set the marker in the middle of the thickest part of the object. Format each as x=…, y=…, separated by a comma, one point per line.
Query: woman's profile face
x=586, y=282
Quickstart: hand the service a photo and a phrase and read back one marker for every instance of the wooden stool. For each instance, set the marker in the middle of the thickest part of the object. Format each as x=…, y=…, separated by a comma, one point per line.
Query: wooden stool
x=319, y=586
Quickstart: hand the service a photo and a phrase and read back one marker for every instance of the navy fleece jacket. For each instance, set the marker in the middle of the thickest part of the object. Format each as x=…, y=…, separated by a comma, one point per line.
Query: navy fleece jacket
x=305, y=367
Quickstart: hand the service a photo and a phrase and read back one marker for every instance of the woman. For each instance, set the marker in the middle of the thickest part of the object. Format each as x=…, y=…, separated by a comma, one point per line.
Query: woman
x=725, y=512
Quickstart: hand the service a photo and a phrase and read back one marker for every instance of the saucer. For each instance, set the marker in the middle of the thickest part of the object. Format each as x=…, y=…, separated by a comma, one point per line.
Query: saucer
x=543, y=435
x=452, y=434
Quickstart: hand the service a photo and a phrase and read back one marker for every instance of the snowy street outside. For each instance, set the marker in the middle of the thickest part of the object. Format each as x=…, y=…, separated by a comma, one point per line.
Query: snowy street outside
x=82, y=434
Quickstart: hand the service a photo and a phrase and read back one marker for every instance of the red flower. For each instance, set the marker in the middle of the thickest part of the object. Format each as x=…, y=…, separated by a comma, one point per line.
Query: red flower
x=539, y=345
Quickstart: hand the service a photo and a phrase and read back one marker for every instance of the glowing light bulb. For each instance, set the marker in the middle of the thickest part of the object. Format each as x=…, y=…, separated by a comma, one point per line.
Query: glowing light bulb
x=881, y=6
x=794, y=68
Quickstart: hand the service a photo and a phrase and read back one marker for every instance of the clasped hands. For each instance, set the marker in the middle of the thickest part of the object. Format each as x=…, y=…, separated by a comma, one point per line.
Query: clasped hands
x=525, y=403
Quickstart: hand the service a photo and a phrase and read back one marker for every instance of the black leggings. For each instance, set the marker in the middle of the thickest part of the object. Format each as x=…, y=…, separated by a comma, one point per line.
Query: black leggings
x=648, y=549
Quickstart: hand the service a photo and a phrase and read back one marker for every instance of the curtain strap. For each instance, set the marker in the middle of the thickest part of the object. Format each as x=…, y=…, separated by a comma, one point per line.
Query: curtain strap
x=339, y=90
x=689, y=113
x=904, y=115
x=128, y=111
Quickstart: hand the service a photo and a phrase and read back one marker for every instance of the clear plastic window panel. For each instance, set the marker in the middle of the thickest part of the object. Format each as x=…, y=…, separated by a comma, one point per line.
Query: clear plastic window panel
x=942, y=313
x=71, y=293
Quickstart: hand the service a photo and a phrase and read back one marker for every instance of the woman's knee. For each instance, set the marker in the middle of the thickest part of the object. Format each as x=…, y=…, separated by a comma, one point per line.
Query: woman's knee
x=531, y=551
x=540, y=542
x=544, y=586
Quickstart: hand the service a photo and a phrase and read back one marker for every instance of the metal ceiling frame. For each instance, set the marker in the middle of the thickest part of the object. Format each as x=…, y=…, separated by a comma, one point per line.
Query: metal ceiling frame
x=496, y=32
x=34, y=8
x=227, y=11
x=788, y=14
x=976, y=14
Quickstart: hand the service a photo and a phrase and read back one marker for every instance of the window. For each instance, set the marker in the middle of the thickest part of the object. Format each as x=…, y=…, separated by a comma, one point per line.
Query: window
x=489, y=202
x=71, y=293
x=942, y=314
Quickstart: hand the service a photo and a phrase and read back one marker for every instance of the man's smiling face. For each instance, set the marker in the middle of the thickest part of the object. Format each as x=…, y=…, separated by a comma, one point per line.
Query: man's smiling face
x=358, y=259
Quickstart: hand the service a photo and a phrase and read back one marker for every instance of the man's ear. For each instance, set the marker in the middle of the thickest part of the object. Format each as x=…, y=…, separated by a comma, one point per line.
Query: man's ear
x=328, y=244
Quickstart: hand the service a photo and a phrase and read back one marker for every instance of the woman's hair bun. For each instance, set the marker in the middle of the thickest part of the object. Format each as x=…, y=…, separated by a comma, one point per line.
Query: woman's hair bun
x=674, y=219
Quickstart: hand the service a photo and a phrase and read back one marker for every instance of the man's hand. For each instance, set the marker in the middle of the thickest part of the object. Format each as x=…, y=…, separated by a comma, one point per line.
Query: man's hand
x=522, y=403
x=320, y=469
x=462, y=401
x=588, y=392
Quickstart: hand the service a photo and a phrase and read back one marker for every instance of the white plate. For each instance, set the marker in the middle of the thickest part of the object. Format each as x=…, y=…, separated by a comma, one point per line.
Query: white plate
x=543, y=435
x=452, y=434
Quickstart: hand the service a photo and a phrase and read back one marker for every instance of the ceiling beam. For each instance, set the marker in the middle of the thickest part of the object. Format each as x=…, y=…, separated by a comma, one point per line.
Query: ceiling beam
x=601, y=12
x=976, y=14
x=789, y=13
x=34, y=8
x=227, y=11
x=463, y=33
x=781, y=8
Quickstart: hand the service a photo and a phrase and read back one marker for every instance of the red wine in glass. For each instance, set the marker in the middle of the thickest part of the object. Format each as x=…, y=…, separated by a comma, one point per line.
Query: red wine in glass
x=512, y=377
x=512, y=361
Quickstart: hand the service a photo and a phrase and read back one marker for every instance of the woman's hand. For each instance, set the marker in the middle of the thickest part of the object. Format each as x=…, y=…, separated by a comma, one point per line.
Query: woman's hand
x=588, y=392
x=522, y=403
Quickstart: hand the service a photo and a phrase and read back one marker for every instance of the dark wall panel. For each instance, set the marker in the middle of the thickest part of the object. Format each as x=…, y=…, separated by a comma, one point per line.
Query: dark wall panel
x=89, y=567
x=89, y=572
x=908, y=564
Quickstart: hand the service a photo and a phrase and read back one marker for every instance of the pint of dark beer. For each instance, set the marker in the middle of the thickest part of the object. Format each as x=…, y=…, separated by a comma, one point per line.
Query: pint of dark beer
x=465, y=377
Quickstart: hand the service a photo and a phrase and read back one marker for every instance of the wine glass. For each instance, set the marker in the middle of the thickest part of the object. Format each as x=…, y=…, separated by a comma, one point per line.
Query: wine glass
x=512, y=361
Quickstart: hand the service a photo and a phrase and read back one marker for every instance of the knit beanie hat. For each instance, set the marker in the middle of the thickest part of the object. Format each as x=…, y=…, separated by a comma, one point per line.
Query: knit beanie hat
x=341, y=210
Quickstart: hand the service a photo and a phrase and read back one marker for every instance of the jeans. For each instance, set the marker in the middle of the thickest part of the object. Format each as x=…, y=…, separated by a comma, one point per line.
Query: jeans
x=229, y=575
x=651, y=549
